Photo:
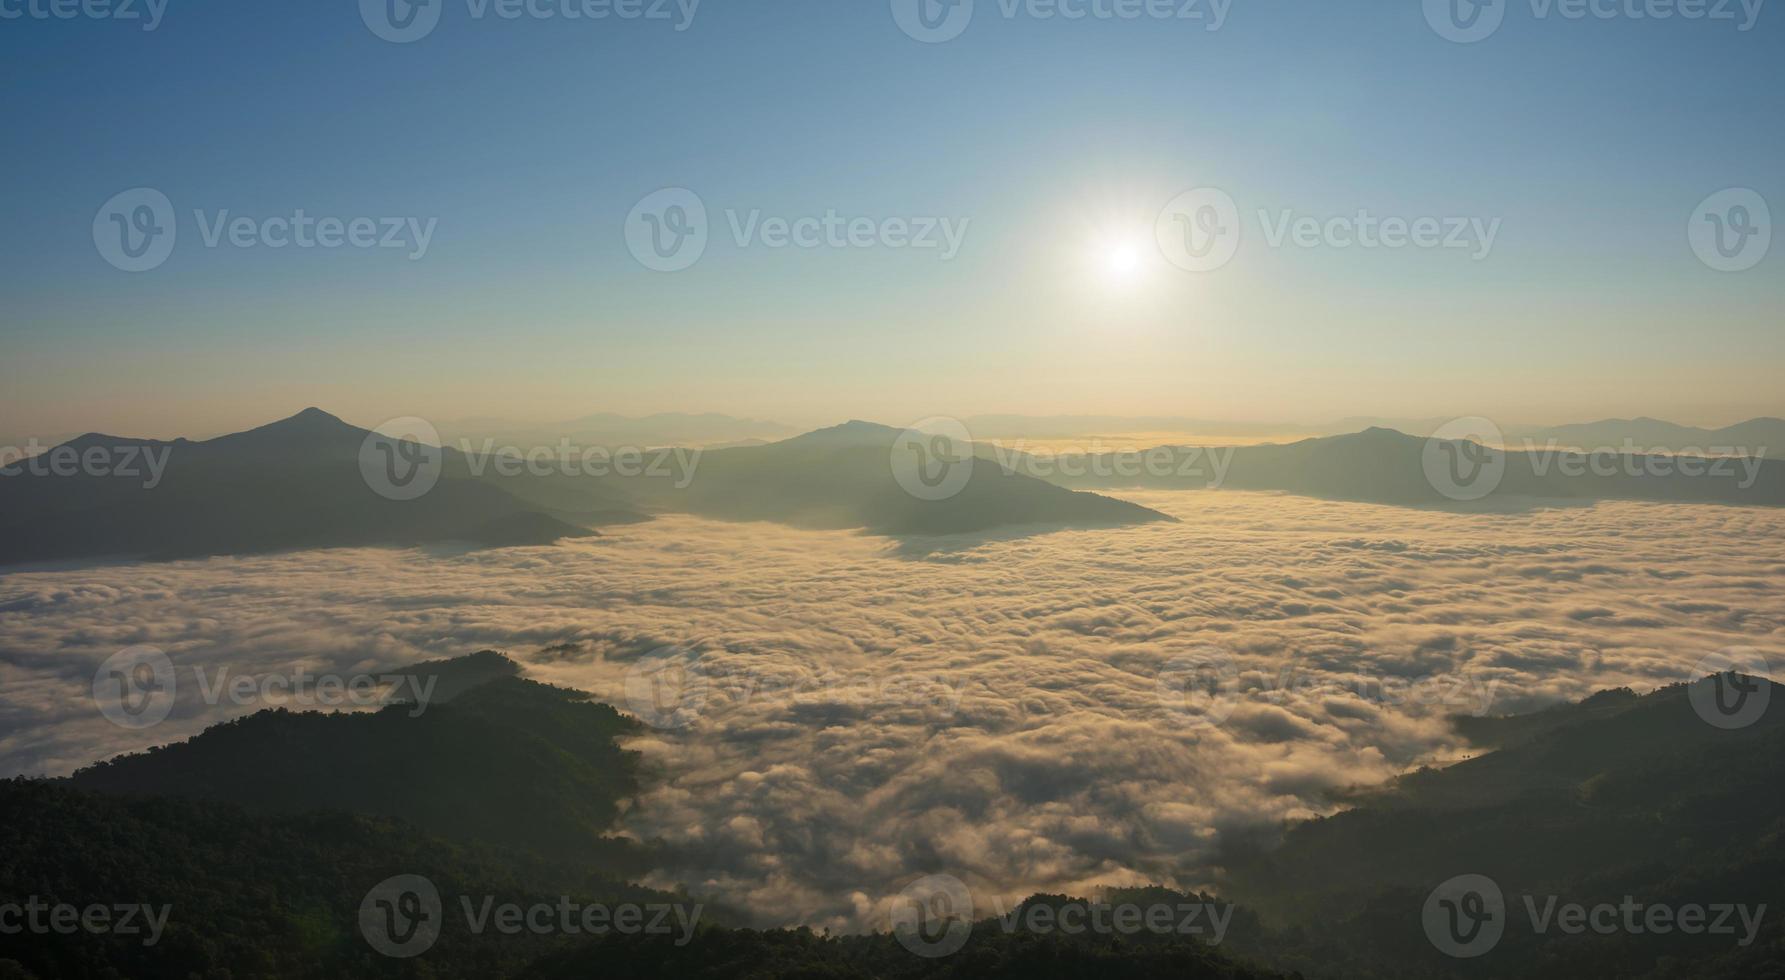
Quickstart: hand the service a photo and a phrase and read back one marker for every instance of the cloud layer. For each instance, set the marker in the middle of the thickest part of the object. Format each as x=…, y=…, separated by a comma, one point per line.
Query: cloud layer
x=1049, y=712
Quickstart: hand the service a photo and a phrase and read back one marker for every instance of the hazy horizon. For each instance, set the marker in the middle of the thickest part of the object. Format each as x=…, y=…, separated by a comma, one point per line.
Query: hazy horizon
x=1238, y=430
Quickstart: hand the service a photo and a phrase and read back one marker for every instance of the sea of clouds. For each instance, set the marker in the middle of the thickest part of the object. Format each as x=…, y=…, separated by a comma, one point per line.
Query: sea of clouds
x=1026, y=713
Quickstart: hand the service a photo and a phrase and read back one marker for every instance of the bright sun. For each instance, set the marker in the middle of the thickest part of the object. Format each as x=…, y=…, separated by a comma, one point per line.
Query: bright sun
x=1115, y=258
x=1121, y=262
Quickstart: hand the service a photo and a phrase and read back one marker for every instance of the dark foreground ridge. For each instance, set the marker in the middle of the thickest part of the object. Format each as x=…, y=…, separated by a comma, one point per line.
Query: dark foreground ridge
x=264, y=837
x=1617, y=797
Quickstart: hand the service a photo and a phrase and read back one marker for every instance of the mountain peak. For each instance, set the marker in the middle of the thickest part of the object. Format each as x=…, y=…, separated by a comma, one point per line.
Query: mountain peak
x=1377, y=434
x=308, y=420
x=852, y=431
x=310, y=428
x=312, y=416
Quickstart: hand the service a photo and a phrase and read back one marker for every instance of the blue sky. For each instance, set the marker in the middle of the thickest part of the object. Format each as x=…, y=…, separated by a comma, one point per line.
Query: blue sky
x=527, y=142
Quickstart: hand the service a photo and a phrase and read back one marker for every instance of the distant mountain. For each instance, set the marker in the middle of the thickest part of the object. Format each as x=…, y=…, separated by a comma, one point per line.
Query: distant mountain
x=1761, y=436
x=842, y=477
x=1638, y=433
x=295, y=483
x=1388, y=467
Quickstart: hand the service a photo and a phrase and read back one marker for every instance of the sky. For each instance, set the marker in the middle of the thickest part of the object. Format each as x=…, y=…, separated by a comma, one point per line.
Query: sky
x=1053, y=147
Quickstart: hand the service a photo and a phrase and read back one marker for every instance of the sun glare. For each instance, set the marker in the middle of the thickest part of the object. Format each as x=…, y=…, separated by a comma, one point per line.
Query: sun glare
x=1121, y=262
x=1117, y=261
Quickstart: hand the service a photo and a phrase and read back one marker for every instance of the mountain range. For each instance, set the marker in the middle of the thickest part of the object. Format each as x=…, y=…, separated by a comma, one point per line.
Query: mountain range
x=298, y=483
x=1388, y=467
x=841, y=477
x=1763, y=436
x=295, y=483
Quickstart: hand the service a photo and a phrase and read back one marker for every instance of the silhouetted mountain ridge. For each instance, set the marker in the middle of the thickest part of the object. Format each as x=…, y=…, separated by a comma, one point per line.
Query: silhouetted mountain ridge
x=489, y=757
x=1382, y=465
x=843, y=477
x=1616, y=796
x=294, y=483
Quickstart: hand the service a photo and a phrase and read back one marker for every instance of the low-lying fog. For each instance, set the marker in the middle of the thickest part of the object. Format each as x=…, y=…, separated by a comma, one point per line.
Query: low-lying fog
x=1011, y=711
